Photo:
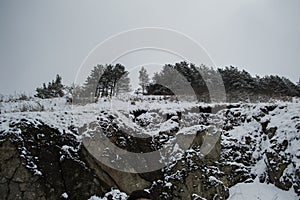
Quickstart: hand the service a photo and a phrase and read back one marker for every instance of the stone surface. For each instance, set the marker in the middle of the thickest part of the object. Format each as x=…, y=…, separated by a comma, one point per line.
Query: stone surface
x=40, y=162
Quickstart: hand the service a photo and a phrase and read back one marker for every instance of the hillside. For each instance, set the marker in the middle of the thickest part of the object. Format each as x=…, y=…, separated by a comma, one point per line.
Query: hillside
x=175, y=150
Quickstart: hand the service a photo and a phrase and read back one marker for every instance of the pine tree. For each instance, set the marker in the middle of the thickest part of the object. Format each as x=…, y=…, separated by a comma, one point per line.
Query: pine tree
x=239, y=84
x=90, y=86
x=58, y=87
x=54, y=89
x=144, y=79
x=177, y=78
x=123, y=85
x=109, y=79
x=118, y=71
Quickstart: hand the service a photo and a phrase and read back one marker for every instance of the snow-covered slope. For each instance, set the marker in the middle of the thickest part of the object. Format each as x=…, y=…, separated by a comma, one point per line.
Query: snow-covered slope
x=231, y=146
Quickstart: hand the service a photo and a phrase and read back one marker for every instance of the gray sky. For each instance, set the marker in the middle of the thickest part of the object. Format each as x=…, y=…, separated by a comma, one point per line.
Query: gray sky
x=42, y=38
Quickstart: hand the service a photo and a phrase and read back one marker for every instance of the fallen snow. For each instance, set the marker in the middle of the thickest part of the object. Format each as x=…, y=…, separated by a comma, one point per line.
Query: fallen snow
x=259, y=191
x=113, y=194
x=58, y=114
x=65, y=195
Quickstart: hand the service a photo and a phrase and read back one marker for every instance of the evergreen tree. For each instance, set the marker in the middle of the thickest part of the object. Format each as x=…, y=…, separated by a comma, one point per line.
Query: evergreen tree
x=119, y=78
x=123, y=85
x=90, y=85
x=54, y=89
x=181, y=79
x=57, y=87
x=144, y=79
x=113, y=79
x=170, y=78
x=239, y=84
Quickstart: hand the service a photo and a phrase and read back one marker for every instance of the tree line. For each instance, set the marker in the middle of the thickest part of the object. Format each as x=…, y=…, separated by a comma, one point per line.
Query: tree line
x=239, y=84
x=103, y=81
x=180, y=79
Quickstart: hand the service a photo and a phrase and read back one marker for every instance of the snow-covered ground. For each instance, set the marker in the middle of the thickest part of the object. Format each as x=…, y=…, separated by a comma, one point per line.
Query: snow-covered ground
x=260, y=191
x=285, y=117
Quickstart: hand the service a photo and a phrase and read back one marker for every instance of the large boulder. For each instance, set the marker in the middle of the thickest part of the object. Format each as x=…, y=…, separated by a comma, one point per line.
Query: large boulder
x=39, y=163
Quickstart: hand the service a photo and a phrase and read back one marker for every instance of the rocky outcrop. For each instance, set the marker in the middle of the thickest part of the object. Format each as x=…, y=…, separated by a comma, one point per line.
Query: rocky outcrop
x=189, y=178
x=264, y=152
x=41, y=164
x=126, y=182
x=38, y=161
x=17, y=182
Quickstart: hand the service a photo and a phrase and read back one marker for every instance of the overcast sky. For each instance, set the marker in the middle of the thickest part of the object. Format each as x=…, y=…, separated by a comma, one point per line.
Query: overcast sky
x=40, y=39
